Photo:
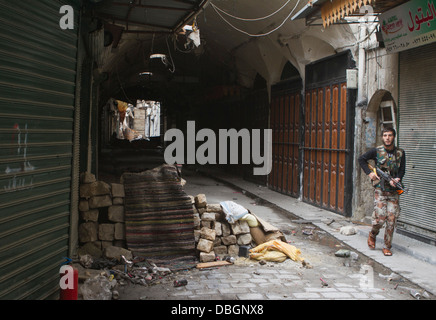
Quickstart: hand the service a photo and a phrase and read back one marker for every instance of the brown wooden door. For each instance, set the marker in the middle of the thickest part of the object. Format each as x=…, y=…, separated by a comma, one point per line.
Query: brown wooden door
x=285, y=123
x=325, y=150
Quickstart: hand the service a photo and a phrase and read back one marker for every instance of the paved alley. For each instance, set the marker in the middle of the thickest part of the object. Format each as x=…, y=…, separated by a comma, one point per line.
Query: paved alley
x=325, y=277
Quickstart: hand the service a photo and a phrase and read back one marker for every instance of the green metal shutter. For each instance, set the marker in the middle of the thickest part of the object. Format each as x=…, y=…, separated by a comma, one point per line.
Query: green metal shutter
x=417, y=136
x=37, y=98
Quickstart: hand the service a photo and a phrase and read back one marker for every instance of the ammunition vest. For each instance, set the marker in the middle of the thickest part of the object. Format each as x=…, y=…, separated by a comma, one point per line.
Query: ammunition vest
x=388, y=162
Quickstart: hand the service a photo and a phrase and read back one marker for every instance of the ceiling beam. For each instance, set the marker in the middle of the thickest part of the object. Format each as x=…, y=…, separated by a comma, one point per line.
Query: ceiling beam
x=146, y=6
x=114, y=19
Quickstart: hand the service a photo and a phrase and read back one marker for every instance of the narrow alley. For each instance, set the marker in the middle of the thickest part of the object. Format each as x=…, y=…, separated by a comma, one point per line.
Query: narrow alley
x=326, y=276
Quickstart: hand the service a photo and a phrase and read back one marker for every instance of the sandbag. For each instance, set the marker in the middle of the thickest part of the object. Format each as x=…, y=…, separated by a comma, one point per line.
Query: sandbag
x=251, y=220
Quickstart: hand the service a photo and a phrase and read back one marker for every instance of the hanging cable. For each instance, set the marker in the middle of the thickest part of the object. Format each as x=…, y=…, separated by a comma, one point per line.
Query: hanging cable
x=261, y=34
x=254, y=19
x=171, y=57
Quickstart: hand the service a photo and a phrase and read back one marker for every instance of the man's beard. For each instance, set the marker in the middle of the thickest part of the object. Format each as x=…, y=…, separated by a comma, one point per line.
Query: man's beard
x=389, y=145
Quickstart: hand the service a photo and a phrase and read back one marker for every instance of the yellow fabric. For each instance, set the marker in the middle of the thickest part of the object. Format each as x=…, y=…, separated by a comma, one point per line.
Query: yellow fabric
x=275, y=250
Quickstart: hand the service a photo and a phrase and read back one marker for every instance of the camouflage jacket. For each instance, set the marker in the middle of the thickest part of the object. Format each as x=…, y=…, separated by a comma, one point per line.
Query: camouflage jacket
x=393, y=162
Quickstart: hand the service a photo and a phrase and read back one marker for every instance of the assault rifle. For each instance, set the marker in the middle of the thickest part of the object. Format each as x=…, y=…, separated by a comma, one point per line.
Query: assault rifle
x=387, y=177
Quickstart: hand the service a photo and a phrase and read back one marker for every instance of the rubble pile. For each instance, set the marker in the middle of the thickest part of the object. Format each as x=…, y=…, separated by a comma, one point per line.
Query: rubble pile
x=101, y=225
x=215, y=237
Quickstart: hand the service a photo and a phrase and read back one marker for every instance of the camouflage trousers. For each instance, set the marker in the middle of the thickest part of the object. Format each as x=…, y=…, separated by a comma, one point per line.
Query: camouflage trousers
x=386, y=210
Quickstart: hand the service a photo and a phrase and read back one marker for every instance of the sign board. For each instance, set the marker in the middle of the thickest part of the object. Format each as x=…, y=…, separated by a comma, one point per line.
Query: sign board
x=410, y=25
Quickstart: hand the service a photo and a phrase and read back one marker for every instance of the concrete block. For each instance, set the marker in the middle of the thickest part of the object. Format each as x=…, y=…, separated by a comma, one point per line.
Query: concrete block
x=218, y=229
x=106, y=231
x=207, y=233
x=226, y=229
x=229, y=240
x=87, y=177
x=117, y=190
x=83, y=205
x=97, y=188
x=200, y=200
x=205, y=245
x=244, y=239
x=214, y=208
x=88, y=232
x=233, y=250
x=100, y=201
x=208, y=216
x=116, y=213
x=90, y=215
x=220, y=250
x=119, y=231
x=207, y=256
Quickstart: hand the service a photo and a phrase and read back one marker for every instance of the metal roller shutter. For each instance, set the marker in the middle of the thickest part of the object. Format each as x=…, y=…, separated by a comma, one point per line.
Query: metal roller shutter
x=417, y=135
x=37, y=97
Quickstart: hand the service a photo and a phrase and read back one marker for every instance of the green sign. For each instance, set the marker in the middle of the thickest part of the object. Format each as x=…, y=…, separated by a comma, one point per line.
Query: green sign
x=410, y=25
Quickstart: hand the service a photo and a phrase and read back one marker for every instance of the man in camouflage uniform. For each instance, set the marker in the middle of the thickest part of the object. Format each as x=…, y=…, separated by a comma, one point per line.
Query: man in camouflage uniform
x=386, y=205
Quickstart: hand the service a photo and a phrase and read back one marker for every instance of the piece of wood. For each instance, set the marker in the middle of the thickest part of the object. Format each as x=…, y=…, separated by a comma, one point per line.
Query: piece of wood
x=213, y=264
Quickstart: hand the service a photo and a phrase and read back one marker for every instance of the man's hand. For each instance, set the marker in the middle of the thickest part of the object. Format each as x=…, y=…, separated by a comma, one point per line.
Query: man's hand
x=397, y=180
x=373, y=176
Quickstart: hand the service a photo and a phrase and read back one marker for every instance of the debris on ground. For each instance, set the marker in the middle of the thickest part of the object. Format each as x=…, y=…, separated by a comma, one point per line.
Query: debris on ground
x=323, y=283
x=390, y=277
x=102, y=277
x=348, y=230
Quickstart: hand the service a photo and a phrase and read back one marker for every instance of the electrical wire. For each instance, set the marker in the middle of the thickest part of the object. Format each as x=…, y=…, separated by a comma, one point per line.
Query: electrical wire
x=171, y=57
x=255, y=19
x=261, y=34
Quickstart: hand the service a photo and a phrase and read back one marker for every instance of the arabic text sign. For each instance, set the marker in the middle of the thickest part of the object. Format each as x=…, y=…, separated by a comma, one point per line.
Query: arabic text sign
x=410, y=25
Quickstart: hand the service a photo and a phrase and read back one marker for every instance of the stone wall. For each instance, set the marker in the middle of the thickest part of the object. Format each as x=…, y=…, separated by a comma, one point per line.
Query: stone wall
x=101, y=223
x=214, y=235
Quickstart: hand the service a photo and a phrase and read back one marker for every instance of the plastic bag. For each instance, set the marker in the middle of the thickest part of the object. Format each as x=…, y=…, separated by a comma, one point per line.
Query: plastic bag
x=233, y=211
x=98, y=288
x=261, y=252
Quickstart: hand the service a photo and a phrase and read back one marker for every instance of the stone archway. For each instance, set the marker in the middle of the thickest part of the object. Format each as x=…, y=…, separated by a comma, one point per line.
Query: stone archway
x=374, y=116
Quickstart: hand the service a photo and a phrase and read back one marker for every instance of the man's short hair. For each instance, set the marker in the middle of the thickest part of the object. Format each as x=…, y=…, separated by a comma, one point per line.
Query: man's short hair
x=389, y=129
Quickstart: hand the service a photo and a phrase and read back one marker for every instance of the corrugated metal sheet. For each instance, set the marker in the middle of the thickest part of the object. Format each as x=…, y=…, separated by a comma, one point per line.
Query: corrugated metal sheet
x=417, y=135
x=37, y=97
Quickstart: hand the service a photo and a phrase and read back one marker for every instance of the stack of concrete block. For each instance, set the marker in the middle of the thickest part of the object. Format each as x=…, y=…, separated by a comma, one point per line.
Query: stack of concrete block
x=101, y=209
x=214, y=235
